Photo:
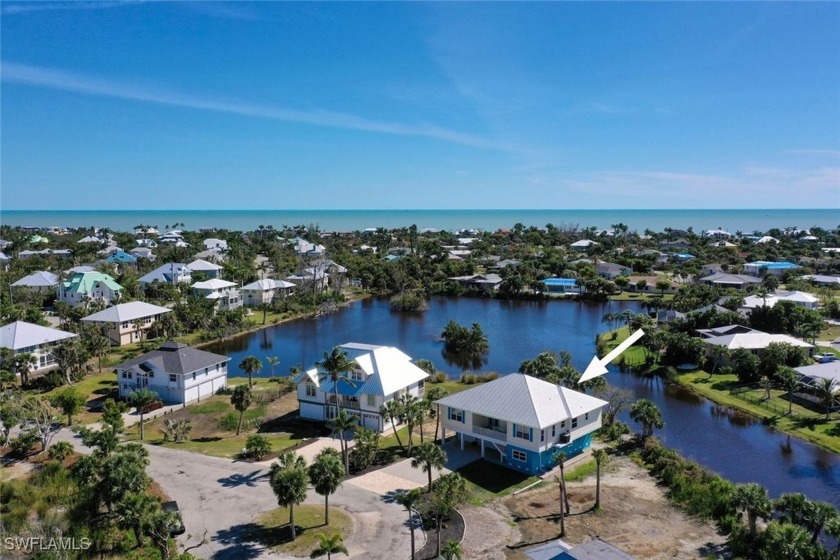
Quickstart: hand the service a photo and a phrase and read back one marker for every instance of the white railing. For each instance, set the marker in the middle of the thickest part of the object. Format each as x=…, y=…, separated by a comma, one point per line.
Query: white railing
x=488, y=432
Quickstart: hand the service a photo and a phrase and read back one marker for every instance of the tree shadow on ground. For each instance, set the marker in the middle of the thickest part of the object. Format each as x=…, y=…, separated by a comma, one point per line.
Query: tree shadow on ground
x=249, y=540
x=237, y=479
x=491, y=477
x=290, y=424
x=714, y=550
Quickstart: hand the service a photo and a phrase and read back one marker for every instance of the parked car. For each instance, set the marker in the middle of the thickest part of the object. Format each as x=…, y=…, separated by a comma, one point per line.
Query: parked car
x=154, y=406
x=825, y=357
x=177, y=527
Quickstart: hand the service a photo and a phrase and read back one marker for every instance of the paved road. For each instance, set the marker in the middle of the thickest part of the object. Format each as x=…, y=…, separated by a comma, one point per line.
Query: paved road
x=219, y=498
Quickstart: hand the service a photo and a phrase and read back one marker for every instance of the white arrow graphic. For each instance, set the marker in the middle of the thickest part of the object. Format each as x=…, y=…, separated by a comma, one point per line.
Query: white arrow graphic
x=599, y=367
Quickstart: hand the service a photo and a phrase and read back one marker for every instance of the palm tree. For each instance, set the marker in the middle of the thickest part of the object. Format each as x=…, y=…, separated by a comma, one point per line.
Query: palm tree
x=22, y=364
x=288, y=481
x=392, y=410
x=409, y=500
x=753, y=499
x=336, y=366
x=600, y=458
x=241, y=400
x=787, y=541
x=137, y=325
x=662, y=285
x=429, y=456
x=413, y=412
x=342, y=423
x=141, y=399
x=250, y=365
x=789, y=380
x=560, y=459
x=334, y=544
x=272, y=361
x=325, y=474
x=647, y=414
x=99, y=346
x=434, y=394
x=826, y=387
x=452, y=550
x=817, y=514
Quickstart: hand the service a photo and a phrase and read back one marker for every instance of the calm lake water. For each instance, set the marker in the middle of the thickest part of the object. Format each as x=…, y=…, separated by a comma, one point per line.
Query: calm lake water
x=739, y=448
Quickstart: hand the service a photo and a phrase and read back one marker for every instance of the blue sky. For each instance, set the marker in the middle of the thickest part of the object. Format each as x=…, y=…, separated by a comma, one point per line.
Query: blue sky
x=160, y=105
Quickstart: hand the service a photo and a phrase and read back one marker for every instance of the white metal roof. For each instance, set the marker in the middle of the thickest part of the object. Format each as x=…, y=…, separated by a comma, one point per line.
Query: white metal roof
x=213, y=284
x=387, y=370
x=268, y=284
x=126, y=312
x=202, y=265
x=754, y=340
x=21, y=334
x=525, y=400
x=38, y=279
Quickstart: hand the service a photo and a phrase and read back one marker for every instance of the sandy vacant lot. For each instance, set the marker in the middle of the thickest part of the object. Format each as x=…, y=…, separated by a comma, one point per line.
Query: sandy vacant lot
x=635, y=516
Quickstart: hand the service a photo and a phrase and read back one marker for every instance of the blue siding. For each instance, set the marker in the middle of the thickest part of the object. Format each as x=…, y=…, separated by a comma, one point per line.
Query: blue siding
x=577, y=447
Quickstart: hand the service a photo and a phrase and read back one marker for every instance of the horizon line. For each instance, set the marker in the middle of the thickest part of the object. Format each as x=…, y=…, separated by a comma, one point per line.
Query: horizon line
x=409, y=209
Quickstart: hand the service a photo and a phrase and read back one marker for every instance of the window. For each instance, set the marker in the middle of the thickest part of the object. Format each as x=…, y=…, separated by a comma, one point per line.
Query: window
x=586, y=416
x=125, y=375
x=519, y=455
x=542, y=435
x=456, y=415
x=563, y=424
x=193, y=376
x=206, y=370
x=554, y=430
x=129, y=375
x=574, y=423
x=151, y=374
x=356, y=375
x=172, y=378
x=311, y=390
x=371, y=400
x=522, y=432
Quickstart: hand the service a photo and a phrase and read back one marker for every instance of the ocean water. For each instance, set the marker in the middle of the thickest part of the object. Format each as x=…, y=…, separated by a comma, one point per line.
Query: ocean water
x=488, y=220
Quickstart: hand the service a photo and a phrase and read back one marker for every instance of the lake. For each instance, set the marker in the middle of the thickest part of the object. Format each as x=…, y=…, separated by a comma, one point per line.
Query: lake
x=737, y=446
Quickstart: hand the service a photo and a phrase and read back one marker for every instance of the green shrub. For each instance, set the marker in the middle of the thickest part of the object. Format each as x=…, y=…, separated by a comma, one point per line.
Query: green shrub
x=23, y=444
x=257, y=446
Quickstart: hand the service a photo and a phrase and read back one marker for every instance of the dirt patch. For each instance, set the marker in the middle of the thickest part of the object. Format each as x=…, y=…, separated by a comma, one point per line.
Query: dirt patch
x=488, y=531
x=635, y=516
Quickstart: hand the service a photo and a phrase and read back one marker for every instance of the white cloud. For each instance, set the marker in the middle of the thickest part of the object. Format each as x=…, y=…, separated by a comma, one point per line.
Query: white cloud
x=79, y=83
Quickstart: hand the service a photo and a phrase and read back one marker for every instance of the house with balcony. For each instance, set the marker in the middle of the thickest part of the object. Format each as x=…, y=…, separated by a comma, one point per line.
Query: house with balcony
x=265, y=291
x=126, y=322
x=89, y=286
x=176, y=372
x=225, y=294
x=521, y=421
x=27, y=338
x=385, y=374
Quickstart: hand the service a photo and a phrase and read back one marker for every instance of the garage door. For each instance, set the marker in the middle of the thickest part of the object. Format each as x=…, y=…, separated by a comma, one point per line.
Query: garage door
x=372, y=422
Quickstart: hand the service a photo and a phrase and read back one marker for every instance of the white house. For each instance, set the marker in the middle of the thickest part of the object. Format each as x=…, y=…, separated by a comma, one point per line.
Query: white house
x=126, y=322
x=735, y=281
x=523, y=421
x=760, y=268
x=86, y=286
x=28, y=338
x=211, y=270
x=265, y=291
x=226, y=294
x=41, y=282
x=583, y=244
x=755, y=341
x=213, y=244
x=800, y=299
x=386, y=374
x=169, y=273
x=176, y=372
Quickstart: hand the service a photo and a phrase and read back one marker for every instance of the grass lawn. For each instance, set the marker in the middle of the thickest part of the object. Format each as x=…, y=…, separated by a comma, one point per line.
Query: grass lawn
x=633, y=356
x=812, y=426
x=272, y=528
x=96, y=388
x=488, y=480
x=582, y=471
x=209, y=437
x=632, y=296
x=830, y=332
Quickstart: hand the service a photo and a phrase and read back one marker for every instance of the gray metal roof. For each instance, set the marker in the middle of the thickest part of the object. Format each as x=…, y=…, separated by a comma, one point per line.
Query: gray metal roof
x=595, y=549
x=126, y=312
x=37, y=279
x=21, y=334
x=174, y=357
x=525, y=400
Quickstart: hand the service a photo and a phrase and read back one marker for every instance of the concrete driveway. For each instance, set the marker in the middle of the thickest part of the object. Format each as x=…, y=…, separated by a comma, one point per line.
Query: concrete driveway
x=220, y=498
